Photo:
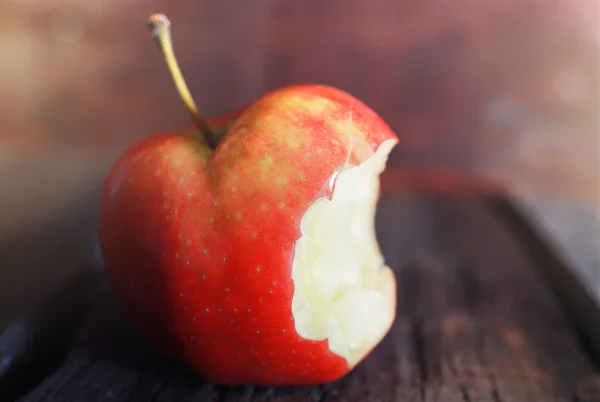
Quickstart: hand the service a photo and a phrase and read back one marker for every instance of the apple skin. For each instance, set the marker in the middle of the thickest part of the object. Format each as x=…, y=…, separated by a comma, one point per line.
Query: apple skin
x=199, y=243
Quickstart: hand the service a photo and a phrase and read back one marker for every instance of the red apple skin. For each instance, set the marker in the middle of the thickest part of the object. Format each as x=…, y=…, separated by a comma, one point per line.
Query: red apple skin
x=199, y=243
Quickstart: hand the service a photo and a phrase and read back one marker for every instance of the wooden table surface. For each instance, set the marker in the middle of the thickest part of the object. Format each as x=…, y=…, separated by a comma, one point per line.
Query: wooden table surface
x=474, y=323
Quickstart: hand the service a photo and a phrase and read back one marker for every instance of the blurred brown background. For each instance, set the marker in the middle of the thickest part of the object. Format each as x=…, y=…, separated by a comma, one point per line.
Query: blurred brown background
x=502, y=91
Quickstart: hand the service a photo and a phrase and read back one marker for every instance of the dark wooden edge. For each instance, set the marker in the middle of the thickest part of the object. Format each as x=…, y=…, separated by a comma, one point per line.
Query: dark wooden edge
x=35, y=344
x=580, y=306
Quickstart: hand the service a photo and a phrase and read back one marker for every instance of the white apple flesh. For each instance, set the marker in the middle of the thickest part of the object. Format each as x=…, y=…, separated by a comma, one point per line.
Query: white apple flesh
x=344, y=292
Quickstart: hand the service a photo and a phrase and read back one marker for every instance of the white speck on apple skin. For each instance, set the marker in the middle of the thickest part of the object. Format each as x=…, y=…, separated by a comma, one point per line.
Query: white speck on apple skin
x=281, y=205
x=263, y=207
x=205, y=251
x=157, y=172
x=254, y=234
x=235, y=310
x=223, y=259
x=258, y=268
x=238, y=215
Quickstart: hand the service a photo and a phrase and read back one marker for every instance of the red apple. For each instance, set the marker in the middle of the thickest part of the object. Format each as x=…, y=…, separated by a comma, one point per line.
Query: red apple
x=255, y=260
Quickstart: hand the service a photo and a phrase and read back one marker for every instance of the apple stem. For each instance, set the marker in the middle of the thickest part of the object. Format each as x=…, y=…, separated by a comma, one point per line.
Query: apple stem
x=161, y=32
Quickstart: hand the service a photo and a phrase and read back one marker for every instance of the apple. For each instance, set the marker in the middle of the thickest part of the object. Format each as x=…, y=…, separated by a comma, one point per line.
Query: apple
x=245, y=246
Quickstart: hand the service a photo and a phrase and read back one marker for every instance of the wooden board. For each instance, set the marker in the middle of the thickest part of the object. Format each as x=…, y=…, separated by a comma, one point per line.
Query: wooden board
x=475, y=323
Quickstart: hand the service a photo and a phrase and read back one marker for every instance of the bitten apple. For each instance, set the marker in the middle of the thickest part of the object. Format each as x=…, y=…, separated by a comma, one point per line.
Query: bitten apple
x=246, y=247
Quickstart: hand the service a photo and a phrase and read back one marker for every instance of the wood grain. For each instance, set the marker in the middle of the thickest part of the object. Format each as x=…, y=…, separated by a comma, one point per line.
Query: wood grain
x=474, y=323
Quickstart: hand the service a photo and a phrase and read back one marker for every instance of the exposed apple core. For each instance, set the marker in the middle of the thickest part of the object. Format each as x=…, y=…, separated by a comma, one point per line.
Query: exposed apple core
x=343, y=291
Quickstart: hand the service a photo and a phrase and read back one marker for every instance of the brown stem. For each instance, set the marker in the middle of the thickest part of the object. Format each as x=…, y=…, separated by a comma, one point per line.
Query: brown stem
x=161, y=32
